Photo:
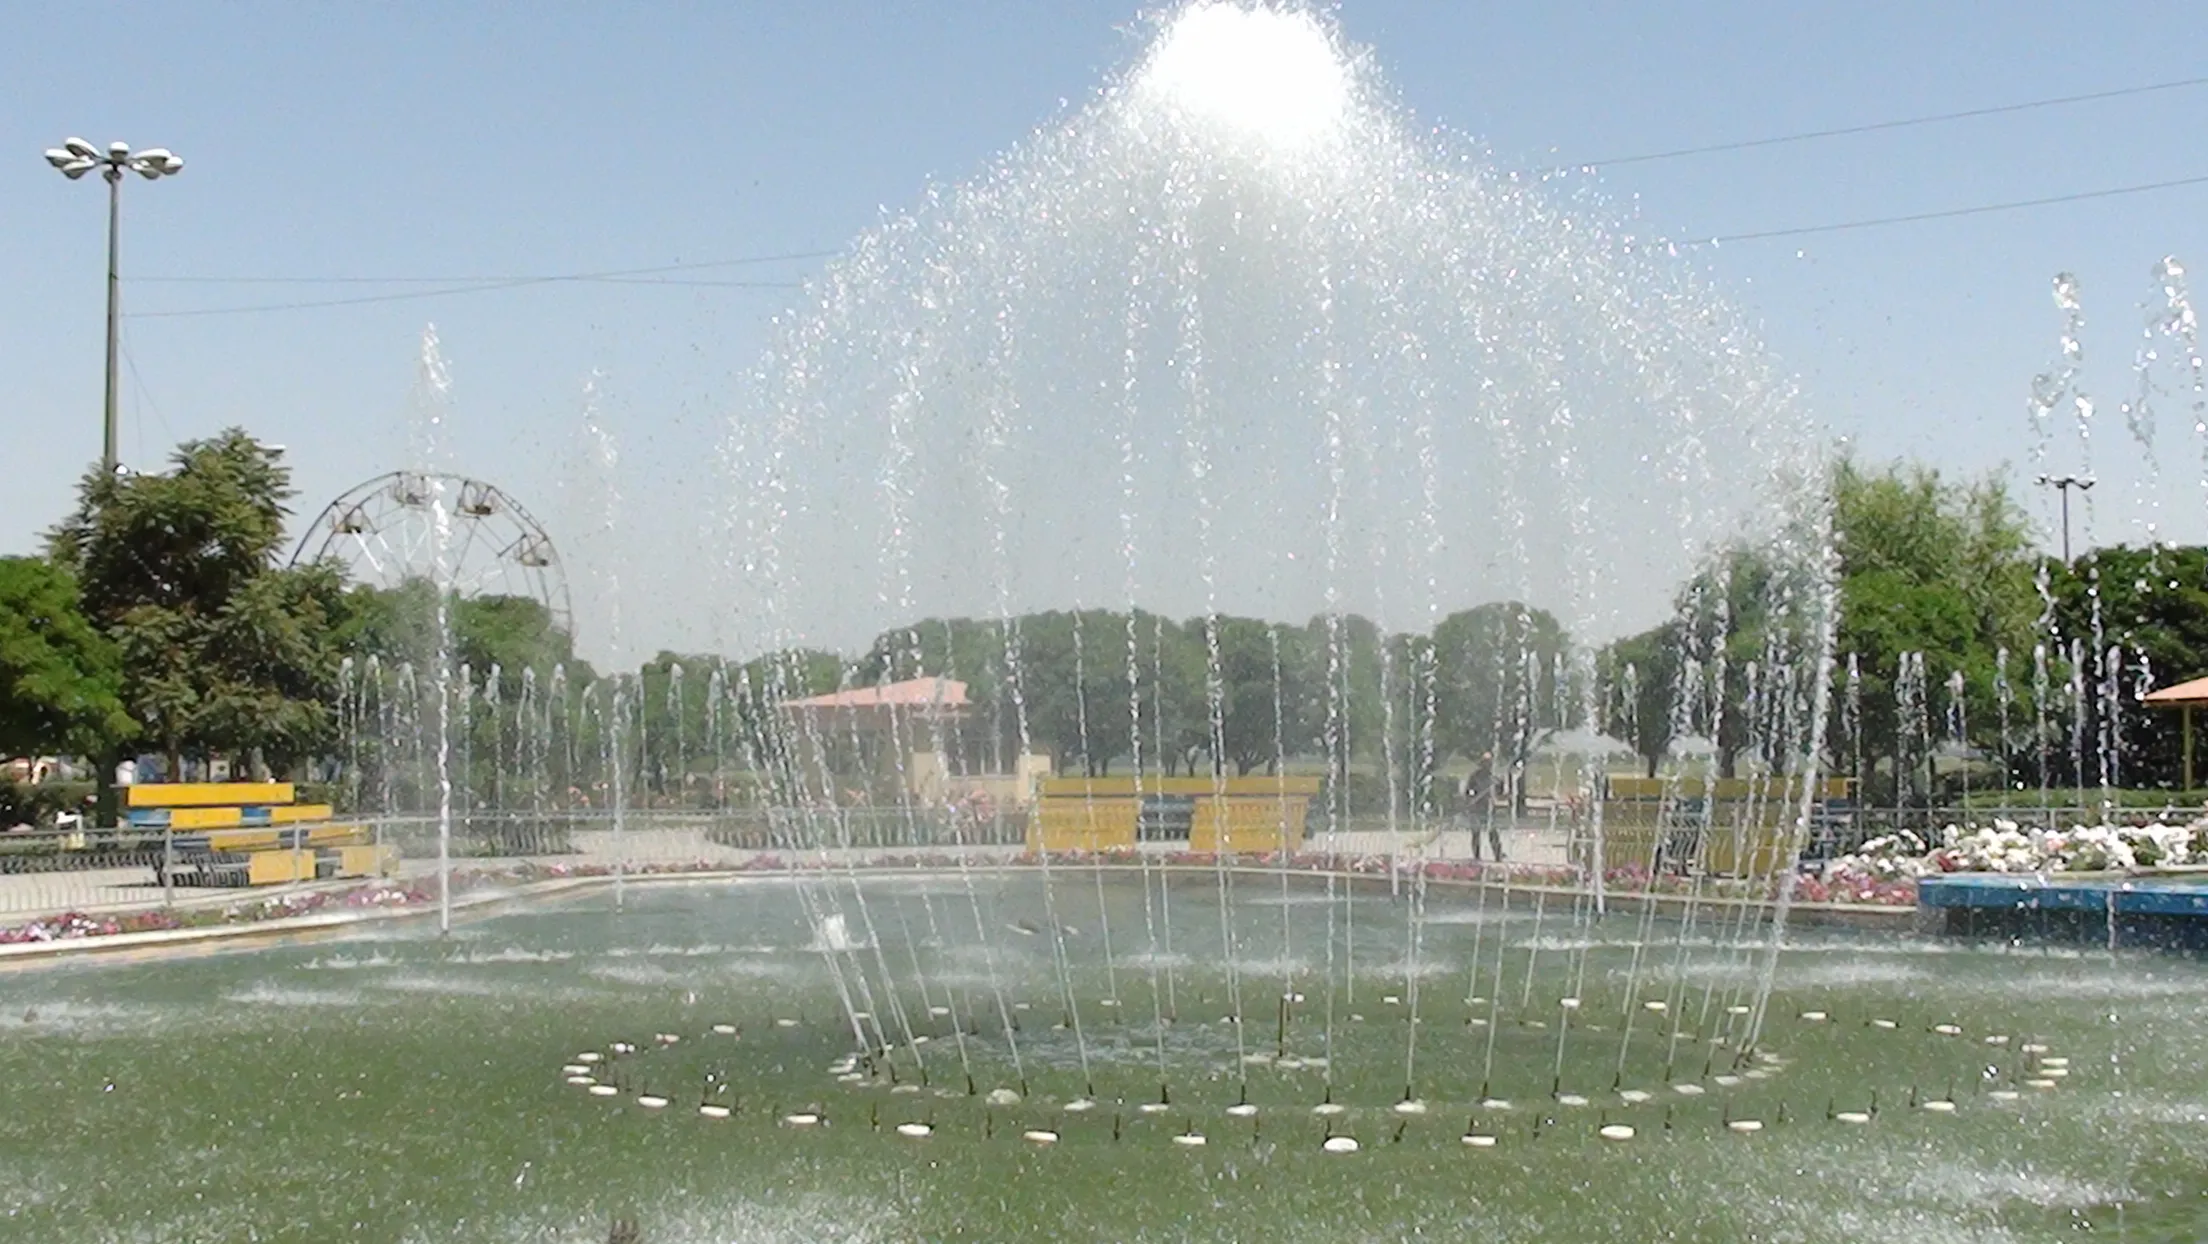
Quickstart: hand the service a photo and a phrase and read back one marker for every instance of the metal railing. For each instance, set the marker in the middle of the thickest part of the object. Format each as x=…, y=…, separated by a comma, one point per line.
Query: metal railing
x=47, y=873
x=107, y=873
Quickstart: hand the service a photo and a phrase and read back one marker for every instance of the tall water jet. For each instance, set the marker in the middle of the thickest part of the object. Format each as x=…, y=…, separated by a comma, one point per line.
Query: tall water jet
x=597, y=507
x=1303, y=289
x=1347, y=370
x=432, y=401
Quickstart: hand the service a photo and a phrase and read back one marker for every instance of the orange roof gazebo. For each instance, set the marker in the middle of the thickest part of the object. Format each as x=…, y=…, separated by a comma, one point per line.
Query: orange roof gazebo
x=2185, y=697
x=875, y=705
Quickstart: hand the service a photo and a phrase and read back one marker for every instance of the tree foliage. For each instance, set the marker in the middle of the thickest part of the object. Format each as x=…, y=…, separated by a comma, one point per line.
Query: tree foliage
x=1501, y=683
x=2132, y=620
x=1640, y=676
x=60, y=679
x=221, y=651
x=1932, y=566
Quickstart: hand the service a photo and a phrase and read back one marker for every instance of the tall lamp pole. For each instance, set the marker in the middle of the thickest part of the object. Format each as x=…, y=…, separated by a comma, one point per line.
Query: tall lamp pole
x=75, y=158
x=2063, y=484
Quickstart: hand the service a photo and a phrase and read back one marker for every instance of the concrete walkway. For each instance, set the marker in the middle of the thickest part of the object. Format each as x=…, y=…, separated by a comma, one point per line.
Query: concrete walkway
x=110, y=891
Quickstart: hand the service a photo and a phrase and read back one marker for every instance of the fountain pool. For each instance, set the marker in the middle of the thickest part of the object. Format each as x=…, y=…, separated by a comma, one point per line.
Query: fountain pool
x=393, y=1086
x=1232, y=337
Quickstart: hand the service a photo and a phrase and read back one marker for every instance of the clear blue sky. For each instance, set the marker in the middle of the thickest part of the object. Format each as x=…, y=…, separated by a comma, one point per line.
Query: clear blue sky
x=415, y=140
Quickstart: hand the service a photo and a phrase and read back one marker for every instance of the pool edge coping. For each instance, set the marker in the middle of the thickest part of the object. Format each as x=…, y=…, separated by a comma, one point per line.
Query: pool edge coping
x=154, y=943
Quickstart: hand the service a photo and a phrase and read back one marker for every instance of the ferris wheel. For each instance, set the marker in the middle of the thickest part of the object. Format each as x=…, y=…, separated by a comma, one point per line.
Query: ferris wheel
x=385, y=533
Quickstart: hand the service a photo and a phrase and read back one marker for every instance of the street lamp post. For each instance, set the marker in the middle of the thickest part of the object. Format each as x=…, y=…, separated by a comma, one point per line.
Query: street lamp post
x=2063, y=484
x=75, y=158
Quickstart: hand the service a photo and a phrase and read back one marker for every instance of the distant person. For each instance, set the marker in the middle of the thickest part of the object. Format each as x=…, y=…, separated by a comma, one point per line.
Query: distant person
x=1479, y=805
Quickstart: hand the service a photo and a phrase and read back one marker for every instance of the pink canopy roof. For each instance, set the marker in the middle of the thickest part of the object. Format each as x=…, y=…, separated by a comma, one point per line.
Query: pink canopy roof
x=935, y=693
x=2184, y=693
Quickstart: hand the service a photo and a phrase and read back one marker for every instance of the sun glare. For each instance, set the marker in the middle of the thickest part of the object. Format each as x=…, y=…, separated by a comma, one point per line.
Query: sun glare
x=1254, y=72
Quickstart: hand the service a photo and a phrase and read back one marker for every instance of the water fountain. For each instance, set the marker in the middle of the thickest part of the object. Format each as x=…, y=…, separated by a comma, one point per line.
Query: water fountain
x=1343, y=369
x=1231, y=340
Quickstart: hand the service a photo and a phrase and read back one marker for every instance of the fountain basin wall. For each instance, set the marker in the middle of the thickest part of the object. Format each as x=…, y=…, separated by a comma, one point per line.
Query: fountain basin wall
x=2115, y=910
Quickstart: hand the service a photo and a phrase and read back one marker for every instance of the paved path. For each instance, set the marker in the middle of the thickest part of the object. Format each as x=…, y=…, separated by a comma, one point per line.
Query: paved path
x=30, y=896
x=1522, y=844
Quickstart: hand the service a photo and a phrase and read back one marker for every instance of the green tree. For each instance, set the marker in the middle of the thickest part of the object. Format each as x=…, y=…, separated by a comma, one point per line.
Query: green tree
x=1266, y=701
x=1927, y=565
x=1640, y=700
x=222, y=653
x=1745, y=624
x=1921, y=565
x=60, y=679
x=2150, y=606
x=1073, y=685
x=1497, y=688
x=511, y=634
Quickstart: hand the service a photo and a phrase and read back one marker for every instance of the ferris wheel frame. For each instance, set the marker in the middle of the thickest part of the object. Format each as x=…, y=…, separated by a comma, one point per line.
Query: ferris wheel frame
x=351, y=528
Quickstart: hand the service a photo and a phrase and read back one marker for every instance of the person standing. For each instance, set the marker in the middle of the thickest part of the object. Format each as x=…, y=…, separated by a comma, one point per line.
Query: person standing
x=1479, y=805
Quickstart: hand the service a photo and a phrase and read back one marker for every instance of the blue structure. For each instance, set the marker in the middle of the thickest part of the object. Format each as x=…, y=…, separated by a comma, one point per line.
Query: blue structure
x=2115, y=910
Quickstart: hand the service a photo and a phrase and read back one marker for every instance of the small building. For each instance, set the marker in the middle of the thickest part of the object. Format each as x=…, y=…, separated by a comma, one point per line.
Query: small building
x=2184, y=697
x=916, y=739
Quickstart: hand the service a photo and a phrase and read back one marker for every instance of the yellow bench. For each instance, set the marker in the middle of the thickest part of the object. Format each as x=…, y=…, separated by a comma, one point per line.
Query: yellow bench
x=208, y=794
x=253, y=833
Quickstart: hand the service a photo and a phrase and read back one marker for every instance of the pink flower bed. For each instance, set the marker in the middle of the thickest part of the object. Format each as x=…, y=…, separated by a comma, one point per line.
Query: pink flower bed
x=71, y=926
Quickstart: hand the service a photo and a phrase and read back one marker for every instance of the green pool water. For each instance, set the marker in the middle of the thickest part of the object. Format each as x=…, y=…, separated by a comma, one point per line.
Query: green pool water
x=395, y=1086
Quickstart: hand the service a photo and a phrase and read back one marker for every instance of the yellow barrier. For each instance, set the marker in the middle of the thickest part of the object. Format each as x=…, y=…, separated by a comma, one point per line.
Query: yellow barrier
x=279, y=867
x=1245, y=815
x=284, y=839
x=1248, y=825
x=228, y=818
x=1083, y=825
x=208, y=794
x=1632, y=836
x=1198, y=787
x=1727, y=790
x=368, y=861
x=1747, y=851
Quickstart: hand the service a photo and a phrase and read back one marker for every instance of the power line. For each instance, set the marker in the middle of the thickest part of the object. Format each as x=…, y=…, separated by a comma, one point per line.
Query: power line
x=343, y=302
x=626, y=276
x=471, y=280
x=1946, y=214
x=1904, y=123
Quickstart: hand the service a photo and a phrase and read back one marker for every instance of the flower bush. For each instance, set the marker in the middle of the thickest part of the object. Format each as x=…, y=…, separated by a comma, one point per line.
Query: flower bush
x=72, y=926
x=2003, y=847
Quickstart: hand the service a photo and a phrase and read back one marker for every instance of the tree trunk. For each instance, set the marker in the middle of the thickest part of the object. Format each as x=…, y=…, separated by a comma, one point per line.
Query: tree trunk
x=104, y=801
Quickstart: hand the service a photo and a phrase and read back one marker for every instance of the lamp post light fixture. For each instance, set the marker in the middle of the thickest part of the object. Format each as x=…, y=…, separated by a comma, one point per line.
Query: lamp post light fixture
x=75, y=158
x=2063, y=484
